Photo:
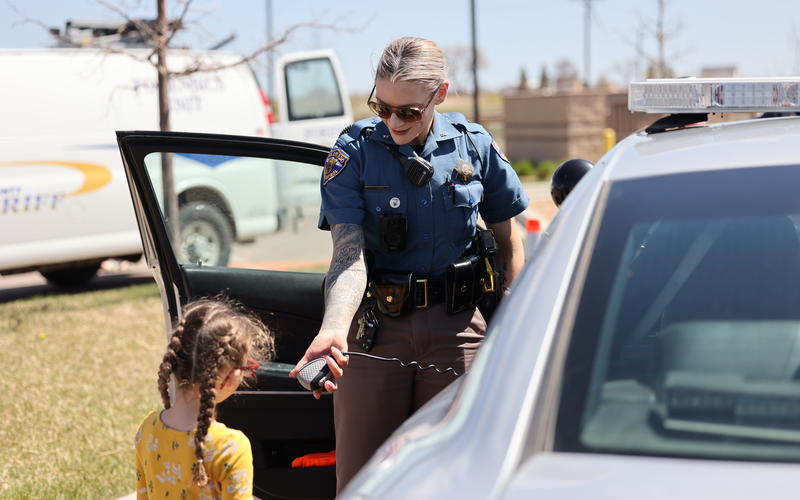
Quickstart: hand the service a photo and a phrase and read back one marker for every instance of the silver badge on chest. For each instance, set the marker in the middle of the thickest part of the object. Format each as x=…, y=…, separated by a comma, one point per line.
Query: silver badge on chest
x=394, y=202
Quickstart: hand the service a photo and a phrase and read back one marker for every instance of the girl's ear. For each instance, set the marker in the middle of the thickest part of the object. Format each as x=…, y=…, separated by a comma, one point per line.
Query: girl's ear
x=232, y=377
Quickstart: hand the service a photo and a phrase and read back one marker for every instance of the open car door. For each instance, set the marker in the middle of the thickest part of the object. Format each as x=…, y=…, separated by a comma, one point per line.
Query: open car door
x=278, y=274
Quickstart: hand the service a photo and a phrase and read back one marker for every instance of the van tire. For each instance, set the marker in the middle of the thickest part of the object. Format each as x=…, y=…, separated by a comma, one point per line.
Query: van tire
x=206, y=235
x=71, y=277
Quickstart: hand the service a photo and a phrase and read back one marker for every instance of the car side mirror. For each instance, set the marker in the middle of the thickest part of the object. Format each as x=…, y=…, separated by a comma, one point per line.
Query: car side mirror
x=566, y=176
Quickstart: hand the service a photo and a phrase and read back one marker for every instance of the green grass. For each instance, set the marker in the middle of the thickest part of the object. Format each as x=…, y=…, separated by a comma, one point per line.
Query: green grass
x=77, y=374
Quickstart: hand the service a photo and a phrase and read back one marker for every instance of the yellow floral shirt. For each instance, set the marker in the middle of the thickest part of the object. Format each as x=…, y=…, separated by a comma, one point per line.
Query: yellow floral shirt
x=165, y=456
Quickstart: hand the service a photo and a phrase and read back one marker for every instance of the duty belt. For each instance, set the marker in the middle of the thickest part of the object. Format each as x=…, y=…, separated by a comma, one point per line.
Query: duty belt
x=427, y=292
x=398, y=293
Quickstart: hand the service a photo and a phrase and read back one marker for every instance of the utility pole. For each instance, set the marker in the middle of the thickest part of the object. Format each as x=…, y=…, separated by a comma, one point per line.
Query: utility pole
x=587, y=42
x=270, y=58
x=475, y=90
x=662, y=66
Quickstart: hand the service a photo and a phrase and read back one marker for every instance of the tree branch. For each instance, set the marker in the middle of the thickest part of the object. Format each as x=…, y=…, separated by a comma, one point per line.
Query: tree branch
x=179, y=22
x=198, y=65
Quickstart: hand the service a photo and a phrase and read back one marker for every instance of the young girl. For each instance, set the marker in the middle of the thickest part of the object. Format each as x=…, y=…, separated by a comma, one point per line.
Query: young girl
x=181, y=451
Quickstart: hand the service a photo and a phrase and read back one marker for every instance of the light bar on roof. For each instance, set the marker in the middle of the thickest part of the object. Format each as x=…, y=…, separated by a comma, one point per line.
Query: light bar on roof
x=715, y=95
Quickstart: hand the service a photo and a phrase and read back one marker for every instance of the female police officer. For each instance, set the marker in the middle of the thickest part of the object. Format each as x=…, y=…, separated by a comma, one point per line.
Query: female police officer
x=416, y=223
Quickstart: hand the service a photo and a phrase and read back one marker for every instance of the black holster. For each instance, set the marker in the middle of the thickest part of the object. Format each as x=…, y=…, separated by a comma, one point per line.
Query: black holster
x=462, y=281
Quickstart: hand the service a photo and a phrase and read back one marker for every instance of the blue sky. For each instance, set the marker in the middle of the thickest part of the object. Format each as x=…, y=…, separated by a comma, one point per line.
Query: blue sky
x=760, y=38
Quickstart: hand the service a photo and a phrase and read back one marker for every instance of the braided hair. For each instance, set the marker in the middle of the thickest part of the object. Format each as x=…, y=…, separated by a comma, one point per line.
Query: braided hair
x=213, y=335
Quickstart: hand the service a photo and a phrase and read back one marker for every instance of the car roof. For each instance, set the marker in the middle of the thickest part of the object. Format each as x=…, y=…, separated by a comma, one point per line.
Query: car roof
x=748, y=143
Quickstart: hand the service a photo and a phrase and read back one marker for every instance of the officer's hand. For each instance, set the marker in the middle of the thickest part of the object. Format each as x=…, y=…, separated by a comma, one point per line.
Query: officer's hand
x=330, y=346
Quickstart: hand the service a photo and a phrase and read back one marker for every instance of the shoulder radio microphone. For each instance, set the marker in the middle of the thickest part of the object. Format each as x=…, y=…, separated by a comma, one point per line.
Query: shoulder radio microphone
x=313, y=375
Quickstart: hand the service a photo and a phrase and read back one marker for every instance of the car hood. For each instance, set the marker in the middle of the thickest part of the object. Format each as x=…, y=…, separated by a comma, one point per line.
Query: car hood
x=572, y=475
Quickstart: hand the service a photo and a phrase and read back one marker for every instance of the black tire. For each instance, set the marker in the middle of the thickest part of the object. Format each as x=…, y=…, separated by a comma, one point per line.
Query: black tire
x=206, y=235
x=71, y=277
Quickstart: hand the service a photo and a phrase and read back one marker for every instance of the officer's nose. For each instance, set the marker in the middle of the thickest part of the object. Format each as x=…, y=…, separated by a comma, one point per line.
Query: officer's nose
x=395, y=122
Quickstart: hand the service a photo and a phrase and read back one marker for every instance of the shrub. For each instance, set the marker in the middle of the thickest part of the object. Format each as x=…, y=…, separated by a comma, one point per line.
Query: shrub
x=545, y=169
x=541, y=171
x=524, y=168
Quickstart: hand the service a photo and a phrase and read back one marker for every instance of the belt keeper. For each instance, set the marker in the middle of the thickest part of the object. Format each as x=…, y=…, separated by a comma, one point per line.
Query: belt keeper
x=425, y=292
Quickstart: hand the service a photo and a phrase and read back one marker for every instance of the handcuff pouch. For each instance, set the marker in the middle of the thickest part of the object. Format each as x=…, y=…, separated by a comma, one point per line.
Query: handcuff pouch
x=462, y=280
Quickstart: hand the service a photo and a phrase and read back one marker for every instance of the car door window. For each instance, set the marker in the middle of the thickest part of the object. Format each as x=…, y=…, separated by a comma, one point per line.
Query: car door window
x=244, y=212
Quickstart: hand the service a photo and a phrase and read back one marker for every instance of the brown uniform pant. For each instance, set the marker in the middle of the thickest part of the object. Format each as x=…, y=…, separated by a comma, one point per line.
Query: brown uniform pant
x=375, y=397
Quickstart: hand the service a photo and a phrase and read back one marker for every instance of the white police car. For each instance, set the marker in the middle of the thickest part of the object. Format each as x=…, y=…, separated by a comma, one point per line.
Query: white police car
x=651, y=349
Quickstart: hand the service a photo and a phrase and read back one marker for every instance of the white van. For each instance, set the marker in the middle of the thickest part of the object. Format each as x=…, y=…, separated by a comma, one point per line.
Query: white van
x=64, y=201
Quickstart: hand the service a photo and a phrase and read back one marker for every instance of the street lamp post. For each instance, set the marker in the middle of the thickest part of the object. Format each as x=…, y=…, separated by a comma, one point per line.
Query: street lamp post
x=475, y=89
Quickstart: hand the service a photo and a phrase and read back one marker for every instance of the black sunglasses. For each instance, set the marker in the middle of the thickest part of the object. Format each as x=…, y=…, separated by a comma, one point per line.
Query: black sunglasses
x=404, y=113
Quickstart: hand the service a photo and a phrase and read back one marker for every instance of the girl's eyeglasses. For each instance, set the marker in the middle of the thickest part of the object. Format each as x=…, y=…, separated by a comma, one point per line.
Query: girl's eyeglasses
x=404, y=113
x=249, y=370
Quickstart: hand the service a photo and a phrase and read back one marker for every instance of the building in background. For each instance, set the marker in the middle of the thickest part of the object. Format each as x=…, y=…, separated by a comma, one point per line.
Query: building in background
x=568, y=124
x=572, y=122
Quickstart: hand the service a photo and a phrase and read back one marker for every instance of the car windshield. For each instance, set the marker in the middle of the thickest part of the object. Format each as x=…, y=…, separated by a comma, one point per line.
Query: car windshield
x=686, y=340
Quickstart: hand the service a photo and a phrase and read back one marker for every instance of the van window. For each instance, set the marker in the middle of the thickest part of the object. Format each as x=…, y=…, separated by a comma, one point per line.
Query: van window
x=312, y=89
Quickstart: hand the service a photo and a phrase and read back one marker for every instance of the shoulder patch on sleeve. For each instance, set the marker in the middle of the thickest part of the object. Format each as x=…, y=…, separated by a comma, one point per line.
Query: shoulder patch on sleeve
x=499, y=151
x=334, y=164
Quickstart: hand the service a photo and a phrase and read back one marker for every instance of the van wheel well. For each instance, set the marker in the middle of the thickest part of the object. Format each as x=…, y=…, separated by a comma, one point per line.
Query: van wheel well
x=208, y=196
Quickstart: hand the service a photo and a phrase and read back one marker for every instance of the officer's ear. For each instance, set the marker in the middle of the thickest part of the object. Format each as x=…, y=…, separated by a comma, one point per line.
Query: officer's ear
x=441, y=94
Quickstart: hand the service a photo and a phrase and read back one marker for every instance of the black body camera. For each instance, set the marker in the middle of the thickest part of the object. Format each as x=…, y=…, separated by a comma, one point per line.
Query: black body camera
x=392, y=232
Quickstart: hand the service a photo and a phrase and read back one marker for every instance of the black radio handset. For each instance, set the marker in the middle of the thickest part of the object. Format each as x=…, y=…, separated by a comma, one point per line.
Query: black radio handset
x=313, y=375
x=417, y=169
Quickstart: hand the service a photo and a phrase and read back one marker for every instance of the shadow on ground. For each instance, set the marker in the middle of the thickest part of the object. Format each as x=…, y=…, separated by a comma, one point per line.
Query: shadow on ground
x=97, y=283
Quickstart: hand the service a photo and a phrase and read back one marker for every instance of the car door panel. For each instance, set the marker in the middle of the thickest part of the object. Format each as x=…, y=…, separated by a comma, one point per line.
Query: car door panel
x=289, y=303
x=299, y=294
x=280, y=418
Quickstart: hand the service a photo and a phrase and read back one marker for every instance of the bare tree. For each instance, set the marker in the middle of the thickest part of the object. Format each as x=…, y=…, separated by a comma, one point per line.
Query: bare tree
x=459, y=63
x=660, y=31
x=162, y=37
x=656, y=64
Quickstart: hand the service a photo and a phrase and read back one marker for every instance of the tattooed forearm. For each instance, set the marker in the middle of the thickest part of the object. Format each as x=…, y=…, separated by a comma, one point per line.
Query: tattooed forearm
x=346, y=278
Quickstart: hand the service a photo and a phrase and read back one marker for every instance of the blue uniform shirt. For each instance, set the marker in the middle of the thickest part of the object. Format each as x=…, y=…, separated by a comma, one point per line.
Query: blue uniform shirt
x=362, y=181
